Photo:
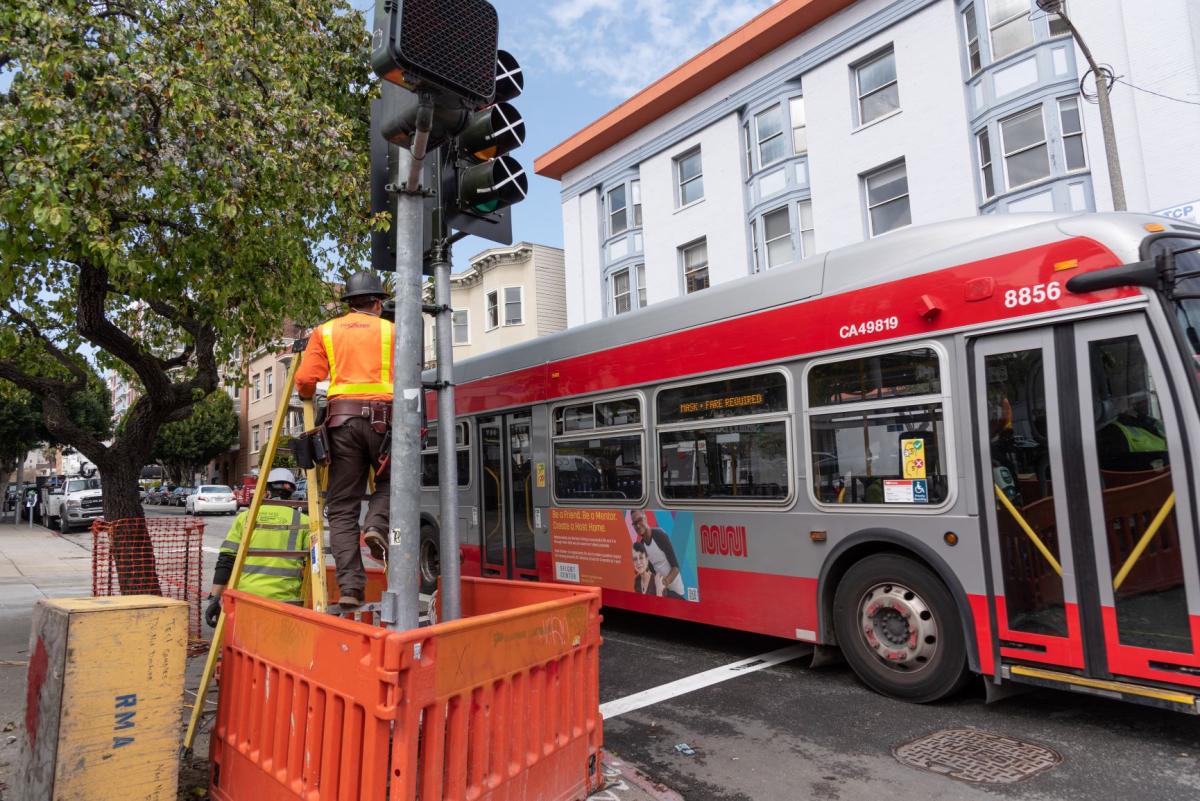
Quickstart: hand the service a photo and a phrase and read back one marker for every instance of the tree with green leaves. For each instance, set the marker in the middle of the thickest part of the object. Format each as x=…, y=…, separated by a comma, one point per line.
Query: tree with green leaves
x=176, y=176
x=19, y=431
x=186, y=445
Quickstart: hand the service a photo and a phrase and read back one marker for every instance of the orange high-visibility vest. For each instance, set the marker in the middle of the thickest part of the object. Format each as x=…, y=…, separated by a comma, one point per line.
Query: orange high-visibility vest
x=355, y=350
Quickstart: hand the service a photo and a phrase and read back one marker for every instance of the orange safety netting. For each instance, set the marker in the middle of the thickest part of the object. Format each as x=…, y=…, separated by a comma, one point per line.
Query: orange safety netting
x=152, y=556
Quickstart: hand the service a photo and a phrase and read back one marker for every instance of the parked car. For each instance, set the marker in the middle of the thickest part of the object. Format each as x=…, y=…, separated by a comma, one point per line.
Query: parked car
x=211, y=499
x=156, y=494
x=179, y=496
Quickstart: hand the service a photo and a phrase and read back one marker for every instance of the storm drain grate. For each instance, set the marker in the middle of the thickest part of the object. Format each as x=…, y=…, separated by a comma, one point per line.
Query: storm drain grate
x=977, y=756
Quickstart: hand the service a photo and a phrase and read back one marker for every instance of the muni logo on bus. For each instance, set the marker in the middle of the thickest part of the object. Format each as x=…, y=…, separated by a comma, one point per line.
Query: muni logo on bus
x=724, y=540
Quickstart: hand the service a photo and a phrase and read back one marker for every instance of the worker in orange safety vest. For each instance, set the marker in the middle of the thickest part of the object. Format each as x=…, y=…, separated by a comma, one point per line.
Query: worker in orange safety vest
x=354, y=352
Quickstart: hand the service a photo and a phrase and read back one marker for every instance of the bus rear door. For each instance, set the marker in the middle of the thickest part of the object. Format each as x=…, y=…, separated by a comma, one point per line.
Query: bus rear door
x=507, y=526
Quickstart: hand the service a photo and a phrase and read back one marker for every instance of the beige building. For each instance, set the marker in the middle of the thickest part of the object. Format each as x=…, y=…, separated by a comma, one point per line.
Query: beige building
x=266, y=377
x=506, y=295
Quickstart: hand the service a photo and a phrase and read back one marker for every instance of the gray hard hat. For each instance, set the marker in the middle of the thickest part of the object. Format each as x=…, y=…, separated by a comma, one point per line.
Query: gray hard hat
x=365, y=283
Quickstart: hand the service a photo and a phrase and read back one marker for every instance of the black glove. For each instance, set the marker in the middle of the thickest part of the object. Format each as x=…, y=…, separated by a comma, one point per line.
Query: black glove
x=213, y=612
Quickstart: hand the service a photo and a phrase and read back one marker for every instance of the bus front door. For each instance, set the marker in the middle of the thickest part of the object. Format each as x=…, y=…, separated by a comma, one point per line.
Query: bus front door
x=1086, y=503
x=506, y=452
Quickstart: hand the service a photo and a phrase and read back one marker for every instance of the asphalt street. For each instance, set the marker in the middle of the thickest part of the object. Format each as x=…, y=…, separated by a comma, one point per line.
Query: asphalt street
x=791, y=732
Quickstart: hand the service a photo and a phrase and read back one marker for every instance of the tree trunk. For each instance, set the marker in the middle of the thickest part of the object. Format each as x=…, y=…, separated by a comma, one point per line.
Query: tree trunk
x=132, y=550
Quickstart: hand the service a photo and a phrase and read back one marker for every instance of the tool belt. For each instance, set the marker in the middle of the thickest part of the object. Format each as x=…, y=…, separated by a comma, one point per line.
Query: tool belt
x=311, y=448
x=377, y=412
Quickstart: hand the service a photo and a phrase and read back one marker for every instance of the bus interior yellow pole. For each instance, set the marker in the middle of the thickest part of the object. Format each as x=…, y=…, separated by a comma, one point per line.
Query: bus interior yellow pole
x=1151, y=530
x=266, y=459
x=1029, y=532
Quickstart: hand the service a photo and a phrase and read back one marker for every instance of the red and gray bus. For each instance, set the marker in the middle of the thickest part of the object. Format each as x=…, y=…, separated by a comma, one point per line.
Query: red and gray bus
x=958, y=449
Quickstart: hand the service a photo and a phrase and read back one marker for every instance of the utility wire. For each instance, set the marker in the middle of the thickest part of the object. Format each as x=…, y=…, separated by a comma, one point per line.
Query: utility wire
x=1158, y=94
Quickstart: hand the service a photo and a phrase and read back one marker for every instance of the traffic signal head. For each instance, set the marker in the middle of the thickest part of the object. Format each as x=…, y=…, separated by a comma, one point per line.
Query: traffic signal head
x=480, y=180
x=447, y=45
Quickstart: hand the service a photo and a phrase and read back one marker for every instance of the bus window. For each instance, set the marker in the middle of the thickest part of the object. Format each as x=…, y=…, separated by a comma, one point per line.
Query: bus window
x=598, y=451
x=705, y=456
x=890, y=447
x=429, y=456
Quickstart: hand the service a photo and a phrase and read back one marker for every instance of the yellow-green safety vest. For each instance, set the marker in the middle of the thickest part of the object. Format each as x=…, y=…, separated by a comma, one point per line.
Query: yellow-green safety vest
x=278, y=554
x=1141, y=440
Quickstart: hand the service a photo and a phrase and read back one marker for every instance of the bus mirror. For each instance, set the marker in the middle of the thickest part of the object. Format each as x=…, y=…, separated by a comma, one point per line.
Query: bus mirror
x=1148, y=273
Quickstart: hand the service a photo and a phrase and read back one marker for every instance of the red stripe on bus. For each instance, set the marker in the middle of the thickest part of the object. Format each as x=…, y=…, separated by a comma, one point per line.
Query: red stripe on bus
x=983, y=633
x=1062, y=651
x=919, y=304
x=1134, y=661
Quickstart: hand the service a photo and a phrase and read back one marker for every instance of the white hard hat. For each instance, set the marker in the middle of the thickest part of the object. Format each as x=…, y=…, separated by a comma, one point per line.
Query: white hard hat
x=281, y=474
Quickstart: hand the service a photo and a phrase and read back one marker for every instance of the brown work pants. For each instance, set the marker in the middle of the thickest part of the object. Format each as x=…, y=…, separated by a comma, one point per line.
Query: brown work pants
x=354, y=447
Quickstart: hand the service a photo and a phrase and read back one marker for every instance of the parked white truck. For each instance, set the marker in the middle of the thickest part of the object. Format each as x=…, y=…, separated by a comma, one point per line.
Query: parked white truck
x=77, y=502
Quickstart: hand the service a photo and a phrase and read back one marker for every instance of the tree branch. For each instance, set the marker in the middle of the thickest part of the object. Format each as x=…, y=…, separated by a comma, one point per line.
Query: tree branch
x=73, y=367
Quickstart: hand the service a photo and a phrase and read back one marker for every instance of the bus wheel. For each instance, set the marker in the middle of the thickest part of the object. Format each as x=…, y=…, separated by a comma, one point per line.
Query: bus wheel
x=899, y=629
x=428, y=559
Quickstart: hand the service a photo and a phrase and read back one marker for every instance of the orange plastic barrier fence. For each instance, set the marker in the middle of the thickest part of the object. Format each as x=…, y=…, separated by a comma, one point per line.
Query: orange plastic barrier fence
x=502, y=705
x=152, y=556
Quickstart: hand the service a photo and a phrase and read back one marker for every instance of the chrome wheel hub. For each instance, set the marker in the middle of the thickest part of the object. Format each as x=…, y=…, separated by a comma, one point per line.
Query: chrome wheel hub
x=898, y=626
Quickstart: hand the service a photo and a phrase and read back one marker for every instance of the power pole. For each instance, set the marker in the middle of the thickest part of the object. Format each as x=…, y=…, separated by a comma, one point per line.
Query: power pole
x=1115, y=180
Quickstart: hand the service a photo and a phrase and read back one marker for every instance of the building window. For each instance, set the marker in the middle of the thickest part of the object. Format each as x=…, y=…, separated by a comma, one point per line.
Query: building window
x=799, y=126
x=1072, y=133
x=777, y=237
x=628, y=289
x=1026, y=156
x=460, y=321
x=598, y=451
x=256, y=382
x=984, y=142
x=635, y=197
x=974, y=60
x=858, y=452
x=808, y=234
x=270, y=374
x=618, y=218
x=878, y=90
x=768, y=127
x=754, y=246
x=887, y=199
x=1010, y=27
x=725, y=440
x=690, y=177
x=512, y=305
x=267, y=433
x=254, y=439
x=695, y=266
x=493, y=311
x=749, y=150
x=235, y=391
x=1057, y=26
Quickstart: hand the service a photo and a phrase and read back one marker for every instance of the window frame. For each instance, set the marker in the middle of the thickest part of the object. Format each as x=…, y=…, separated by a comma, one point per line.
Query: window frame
x=1063, y=135
x=866, y=177
x=1053, y=15
x=787, y=213
x=986, y=167
x=254, y=439
x=801, y=230
x=466, y=423
x=454, y=326
x=792, y=103
x=759, y=141
x=636, y=290
x=1000, y=24
x=574, y=436
x=269, y=376
x=491, y=310
x=858, y=66
x=972, y=69
x=679, y=180
x=683, y=269
x=256, y=383
x=623, y=188
x=945, y=399
x=1045, y=142
x=520, y=301
x=787, y=416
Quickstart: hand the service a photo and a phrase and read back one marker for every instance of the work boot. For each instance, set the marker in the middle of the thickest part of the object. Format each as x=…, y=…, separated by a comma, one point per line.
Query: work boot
x=349, y=603
x=376, y=544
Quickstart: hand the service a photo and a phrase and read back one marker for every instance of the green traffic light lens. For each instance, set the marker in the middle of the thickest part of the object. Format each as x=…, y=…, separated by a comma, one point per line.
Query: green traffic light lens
x=487, y=208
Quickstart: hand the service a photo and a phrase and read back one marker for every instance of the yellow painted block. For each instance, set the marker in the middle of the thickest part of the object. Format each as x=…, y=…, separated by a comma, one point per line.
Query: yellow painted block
x=105, y=690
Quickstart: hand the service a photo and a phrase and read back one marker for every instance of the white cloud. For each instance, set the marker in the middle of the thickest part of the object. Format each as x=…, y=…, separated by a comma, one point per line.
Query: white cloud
x=617, y=47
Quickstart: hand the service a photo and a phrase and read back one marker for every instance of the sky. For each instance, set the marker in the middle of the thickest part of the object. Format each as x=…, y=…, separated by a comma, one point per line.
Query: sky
x=581, y=58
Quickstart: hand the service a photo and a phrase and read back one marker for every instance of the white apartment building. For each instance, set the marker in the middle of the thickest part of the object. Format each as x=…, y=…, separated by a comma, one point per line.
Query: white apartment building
x=506, y=295
x=821, y=123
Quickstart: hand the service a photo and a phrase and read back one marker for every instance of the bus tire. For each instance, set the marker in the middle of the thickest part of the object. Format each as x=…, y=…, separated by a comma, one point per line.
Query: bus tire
x=899, y=629
x=429, y=559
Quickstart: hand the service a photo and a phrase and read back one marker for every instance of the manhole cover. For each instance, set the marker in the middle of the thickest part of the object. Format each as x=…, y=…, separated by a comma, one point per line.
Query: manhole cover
x=977, y=756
